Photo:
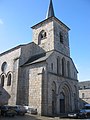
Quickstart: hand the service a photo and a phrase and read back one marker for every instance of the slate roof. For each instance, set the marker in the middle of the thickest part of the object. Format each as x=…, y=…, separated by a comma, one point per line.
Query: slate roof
x=84, y=85
x=14, y=48
x=50, y=12
x=38, y=58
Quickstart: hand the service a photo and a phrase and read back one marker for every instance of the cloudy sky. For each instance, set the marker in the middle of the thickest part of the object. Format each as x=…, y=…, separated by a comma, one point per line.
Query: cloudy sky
x=17, y=16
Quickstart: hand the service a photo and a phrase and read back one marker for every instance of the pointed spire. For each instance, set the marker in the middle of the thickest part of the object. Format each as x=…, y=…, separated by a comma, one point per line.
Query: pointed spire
x=50, y=12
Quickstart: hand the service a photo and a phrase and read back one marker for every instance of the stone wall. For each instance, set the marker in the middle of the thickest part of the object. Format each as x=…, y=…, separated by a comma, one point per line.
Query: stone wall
x=53, y=27
x=60, y=84
x=47, y=44
x=31, y=82
x=61, y=47
x=29, y=50
x=53, y=59
x=12, y=60
x=35, y=86
x=61, y=81
x=84, y=96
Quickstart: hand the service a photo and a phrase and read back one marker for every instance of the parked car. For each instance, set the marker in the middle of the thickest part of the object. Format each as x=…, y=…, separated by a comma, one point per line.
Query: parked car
x=79, y=114
x=20, y=110
x=31, y=110
x=72, y=115
x=7, y=111
x=82, y=114
x=87, y=109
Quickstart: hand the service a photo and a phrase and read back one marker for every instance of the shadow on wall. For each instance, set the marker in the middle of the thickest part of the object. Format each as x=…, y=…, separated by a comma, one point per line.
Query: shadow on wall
x=4, y=96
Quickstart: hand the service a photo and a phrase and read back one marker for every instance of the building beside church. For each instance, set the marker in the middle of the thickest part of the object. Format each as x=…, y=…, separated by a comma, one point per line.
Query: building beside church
x=41, y=74
x=84, y=93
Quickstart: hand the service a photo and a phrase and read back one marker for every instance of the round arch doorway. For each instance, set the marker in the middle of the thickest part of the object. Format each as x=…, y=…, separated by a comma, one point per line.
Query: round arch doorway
x=65, y=98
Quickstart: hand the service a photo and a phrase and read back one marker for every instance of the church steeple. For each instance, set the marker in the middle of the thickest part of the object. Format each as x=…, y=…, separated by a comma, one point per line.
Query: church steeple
x=50, y=12
x=52, y=34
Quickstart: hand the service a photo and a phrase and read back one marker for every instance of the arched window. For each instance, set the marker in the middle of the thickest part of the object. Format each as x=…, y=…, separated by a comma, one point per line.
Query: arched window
x=42, y=35
x=53, y=98
x=58, y=65
x=9, y=80
x=4, y=66
x=52, y=66
x=2, y=80
x=63, y=67
x=68, y=68
x=83, y=95
x=61, y=37
x=54, y=86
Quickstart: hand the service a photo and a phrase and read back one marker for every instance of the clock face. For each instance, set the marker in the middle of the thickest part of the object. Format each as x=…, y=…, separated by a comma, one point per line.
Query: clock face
x=4, y=66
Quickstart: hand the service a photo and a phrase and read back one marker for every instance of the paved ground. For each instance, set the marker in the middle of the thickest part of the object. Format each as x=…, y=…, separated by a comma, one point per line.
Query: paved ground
x=34, y=117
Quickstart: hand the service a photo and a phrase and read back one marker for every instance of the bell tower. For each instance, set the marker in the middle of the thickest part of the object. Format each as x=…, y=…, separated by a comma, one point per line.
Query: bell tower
x=52, y=34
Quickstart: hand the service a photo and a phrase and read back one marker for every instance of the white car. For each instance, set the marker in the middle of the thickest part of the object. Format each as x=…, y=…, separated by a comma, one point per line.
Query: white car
x=31, y=110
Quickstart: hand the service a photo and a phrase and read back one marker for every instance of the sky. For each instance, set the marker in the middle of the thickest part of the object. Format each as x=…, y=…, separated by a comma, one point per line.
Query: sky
x=18, y=16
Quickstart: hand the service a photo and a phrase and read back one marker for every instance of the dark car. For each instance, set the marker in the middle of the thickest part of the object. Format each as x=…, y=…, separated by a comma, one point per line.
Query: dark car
x=87, y=109
x=20, y=110
x=7, y=111
x=79, y=114
x=82, y=114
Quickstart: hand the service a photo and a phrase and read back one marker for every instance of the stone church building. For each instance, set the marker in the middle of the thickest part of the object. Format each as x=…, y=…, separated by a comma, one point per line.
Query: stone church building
x=41, y=74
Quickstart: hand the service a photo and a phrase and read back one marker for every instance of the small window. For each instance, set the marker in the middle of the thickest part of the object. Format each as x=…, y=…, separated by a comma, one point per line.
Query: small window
x=83, y=95
x=68, y=68
x=51, y=66
x=42, y=35
x=58, y=65
x=2, y=80
x=63, y=66
x=80, y=88
x=4, y=66
x=9, y=80
x=74, y=74
x=0, y=92
x=84, y=87
x=61, y=38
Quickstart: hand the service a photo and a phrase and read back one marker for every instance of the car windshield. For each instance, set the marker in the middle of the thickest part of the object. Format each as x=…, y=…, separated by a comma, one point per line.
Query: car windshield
x=82, y=110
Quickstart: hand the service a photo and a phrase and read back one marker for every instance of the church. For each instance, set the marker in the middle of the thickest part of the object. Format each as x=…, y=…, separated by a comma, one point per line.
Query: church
x=41, y=74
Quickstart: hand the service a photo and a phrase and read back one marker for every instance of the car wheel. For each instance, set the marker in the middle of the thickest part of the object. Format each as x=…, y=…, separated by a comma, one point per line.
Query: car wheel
x=85, y=116
x=4, y=114
x=23, y=114
x=13, y=115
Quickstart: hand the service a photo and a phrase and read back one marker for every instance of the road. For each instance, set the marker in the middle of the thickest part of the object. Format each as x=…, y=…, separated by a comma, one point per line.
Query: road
x=34, y=117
